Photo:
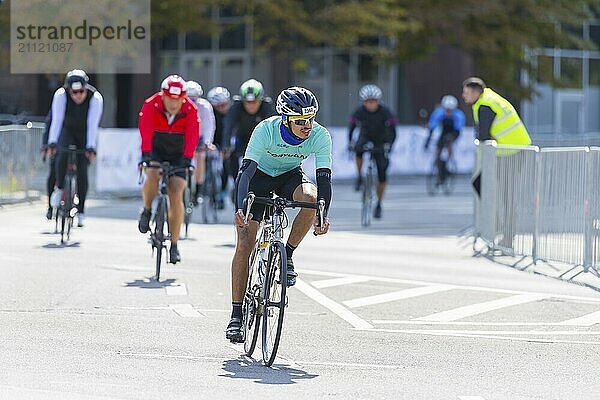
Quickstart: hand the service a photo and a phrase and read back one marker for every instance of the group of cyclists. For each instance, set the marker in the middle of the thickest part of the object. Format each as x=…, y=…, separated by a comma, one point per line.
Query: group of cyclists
x=262, y=144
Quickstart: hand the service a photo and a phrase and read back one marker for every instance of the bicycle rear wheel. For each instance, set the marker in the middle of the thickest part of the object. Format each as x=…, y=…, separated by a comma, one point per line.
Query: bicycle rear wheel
x=252, y=309
x=159, y=227
x=65, y=210
x=431, y=181
x=367, y=199
x=274, y=302
x=449, y=181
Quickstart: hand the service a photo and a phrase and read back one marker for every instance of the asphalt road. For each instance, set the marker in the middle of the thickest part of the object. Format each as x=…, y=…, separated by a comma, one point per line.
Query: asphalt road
x=396, y=310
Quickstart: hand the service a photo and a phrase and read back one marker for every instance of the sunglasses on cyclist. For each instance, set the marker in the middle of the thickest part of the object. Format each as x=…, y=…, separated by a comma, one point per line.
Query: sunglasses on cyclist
x=78, y=91
x=301, y=121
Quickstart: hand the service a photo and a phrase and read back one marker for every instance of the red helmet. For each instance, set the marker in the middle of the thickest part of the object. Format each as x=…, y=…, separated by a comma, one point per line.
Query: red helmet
x=174, y=86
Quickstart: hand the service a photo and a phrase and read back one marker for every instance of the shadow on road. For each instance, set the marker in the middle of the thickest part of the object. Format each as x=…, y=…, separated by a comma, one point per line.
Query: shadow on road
x=150, y=283
x=278, y=374
x=61, y=245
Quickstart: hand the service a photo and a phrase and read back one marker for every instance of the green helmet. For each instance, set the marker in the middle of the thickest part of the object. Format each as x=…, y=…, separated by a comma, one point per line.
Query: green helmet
x=252, y=90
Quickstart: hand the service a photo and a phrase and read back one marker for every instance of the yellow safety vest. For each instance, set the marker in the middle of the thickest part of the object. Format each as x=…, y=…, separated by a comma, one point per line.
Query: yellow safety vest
x=507, y=128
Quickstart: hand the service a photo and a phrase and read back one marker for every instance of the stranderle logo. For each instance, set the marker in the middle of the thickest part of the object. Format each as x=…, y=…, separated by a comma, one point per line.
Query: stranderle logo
x=99, y=36
x=83, y=31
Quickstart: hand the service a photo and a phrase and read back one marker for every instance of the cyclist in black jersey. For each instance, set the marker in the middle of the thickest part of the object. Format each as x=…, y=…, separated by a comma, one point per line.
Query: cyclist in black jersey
x=76, y=112
x=245, y=113
x=377, y=125
x=220, y=99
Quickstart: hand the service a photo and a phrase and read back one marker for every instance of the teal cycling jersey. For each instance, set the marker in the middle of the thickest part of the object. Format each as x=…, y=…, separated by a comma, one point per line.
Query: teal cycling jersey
x=274, y=156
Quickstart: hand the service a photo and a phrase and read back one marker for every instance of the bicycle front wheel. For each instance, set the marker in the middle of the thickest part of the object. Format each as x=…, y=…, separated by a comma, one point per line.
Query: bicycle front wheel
x=274, y=302
x=159, y=227
x=367, y=199
x=252, y=309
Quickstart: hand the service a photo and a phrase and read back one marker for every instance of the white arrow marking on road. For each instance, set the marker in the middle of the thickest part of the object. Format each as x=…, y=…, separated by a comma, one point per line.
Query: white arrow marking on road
x=467, y=323
x=185, y=310
x=480, y=308
x=337, y=308
x=399, y=295
x=339, y=281
x=585, y=320
x=179, y=290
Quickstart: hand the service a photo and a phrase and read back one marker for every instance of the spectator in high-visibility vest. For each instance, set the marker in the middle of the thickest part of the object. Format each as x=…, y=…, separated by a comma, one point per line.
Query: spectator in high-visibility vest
x=495, y=118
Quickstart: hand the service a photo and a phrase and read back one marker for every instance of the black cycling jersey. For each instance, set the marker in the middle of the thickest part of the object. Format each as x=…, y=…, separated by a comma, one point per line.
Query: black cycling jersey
x=239, y=124
x=219, y=120
x=379, y=126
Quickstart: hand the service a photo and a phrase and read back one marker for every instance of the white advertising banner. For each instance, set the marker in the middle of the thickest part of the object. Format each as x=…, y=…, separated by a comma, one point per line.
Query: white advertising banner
x=408, y=157
x=119, y=154
x=117, y=161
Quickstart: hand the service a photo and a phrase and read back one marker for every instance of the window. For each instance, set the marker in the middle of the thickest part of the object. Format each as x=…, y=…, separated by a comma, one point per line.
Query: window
x=545, y=69
x=367, y=68
x=571, y=73
x=169, y=41
x=594, y=72
x=595, y=35
x=233, y=37
x=197, y=41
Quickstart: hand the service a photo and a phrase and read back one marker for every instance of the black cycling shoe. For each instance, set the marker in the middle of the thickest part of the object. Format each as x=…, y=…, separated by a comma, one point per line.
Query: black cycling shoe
x=358, y=184
x=377, y=213
x=291, y=274
x=144, y=221
x=234, y=331
x=174, y=256
x=49, y=213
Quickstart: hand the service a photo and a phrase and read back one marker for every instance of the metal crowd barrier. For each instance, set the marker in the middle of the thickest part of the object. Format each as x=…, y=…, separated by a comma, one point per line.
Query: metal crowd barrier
x=22, y=170
x=542, y=203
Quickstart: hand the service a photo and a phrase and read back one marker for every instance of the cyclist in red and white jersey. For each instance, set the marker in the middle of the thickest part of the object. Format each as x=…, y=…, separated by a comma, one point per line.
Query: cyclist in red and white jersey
x=169, y=127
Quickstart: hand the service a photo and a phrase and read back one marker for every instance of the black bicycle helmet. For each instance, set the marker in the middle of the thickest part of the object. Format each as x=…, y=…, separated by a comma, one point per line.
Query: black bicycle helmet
x=297, y=101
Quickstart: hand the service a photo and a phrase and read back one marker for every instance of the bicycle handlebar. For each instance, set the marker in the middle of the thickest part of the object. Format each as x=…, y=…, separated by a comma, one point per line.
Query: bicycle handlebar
x=281, y=203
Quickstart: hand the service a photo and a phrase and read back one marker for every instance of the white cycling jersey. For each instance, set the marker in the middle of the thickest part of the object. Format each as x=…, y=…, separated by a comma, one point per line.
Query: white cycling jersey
x=207, y=121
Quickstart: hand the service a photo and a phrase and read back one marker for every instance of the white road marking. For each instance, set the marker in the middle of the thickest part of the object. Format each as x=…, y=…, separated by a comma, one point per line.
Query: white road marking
x=398, y=295
x=347, y=280
x=470, y=398
x=480, y=308
x=464, y=287
x=494, y=335
x=179, y=290
x=584, y=320
x=468, y=323
x=336, y=308
x=185, y=310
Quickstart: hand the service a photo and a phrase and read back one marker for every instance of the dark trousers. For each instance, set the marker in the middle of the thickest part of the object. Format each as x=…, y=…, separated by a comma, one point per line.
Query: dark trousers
x=51, y=181
x=82, y=176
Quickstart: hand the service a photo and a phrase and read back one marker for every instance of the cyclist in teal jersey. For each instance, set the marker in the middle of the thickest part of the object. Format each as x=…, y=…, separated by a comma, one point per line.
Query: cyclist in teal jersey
x=272, y=162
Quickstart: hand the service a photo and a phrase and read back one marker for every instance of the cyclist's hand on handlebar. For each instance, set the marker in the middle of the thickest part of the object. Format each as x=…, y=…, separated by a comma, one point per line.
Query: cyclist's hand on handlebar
x=240, y=218
x=320, y=230
x=51, y=150
x=146, y=157
x=90, y=153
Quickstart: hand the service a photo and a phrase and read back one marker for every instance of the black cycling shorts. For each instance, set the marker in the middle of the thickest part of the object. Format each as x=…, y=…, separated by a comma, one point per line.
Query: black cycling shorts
x=175, y=162
x=381, y=161
x=447, y=138
x=283, y=185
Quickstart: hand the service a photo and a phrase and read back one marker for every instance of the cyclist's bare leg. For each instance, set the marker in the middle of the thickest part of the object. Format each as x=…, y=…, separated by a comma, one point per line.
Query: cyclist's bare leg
x=302, y=223
x=359, y=164
x=150, y=188
x=176, y=210
x=381, y=190
x=239, y=265
x=200, y=167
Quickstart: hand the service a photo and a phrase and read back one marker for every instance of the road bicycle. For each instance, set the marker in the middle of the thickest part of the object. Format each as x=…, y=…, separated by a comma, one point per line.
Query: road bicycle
x=209, y=198
x=265, y=299
x=188, y=199
x=442, y=175
x=160, y=231
x=368, y=185
x=67, y=208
